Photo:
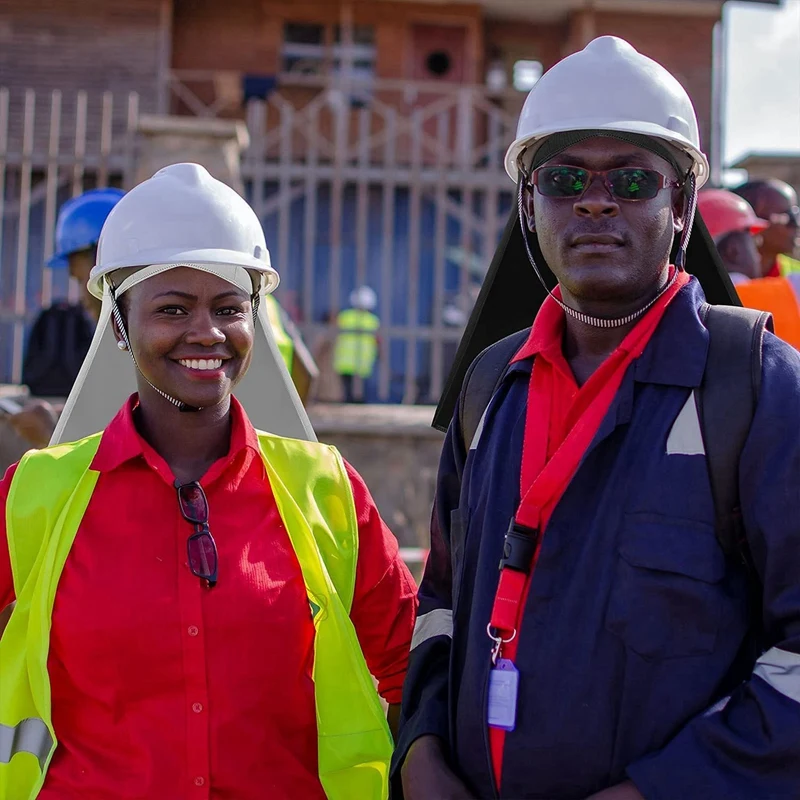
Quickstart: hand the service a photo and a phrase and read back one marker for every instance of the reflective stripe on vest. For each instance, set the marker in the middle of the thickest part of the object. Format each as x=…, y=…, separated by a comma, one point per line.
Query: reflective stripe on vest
x=315, y=501
x=27, y=736
x=356, y=343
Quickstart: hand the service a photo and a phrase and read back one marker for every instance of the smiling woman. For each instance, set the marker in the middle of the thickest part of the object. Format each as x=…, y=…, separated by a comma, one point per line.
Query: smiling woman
x=190, y=333
x=157, y=661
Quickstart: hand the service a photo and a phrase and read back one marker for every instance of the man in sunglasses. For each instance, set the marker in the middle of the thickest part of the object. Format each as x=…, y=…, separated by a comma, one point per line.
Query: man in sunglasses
x=776, y=202
x=615, y=654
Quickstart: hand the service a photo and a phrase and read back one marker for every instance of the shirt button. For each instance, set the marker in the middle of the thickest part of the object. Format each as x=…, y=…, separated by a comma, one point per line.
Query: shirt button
x=199, y=780
x=193, y=630
x=197, y=708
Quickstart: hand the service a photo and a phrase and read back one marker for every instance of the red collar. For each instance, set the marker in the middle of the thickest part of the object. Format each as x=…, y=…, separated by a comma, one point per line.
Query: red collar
x=547, y=333
x=774, y=270
x=121, y=442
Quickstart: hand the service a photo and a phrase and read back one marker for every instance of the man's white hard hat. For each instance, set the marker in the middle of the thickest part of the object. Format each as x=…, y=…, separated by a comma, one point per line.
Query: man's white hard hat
x=609, y=86
x=182, y=216
x=364, y=298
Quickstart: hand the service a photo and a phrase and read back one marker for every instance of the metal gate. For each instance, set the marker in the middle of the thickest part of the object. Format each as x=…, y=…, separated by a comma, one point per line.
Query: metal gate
x=397, y=185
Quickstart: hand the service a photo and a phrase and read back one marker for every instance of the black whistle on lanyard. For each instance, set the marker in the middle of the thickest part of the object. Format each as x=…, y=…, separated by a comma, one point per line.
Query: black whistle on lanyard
x=519, y=547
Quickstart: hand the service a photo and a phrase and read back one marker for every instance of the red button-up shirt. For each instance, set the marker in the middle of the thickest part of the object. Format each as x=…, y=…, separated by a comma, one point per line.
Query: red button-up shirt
x=162, y=688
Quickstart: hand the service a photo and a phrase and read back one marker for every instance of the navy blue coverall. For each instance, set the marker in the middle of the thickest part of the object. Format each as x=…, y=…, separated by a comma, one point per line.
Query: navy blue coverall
x=631, y=645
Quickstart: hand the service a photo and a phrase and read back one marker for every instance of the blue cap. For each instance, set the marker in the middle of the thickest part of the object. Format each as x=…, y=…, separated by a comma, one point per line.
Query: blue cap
x=80, y=221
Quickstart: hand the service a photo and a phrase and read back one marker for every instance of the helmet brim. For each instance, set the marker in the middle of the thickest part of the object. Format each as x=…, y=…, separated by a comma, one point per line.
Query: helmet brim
x=701, y=167
x=187, y=257
x=57, y=261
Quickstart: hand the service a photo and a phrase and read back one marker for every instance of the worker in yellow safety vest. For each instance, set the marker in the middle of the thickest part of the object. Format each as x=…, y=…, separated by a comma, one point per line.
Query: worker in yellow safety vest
x=357, y=343
x=143, y=656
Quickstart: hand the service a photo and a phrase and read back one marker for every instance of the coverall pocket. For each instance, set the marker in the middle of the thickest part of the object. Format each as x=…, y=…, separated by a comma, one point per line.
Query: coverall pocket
x=666, y=600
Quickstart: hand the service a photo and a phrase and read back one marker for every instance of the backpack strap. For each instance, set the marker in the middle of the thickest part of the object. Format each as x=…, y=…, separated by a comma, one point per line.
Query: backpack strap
x=482, y=379
x=727, y=400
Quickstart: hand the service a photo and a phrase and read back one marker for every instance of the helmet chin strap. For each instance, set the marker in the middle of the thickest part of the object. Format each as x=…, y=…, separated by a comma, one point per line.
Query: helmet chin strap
x=179, y=404
x=612, y=322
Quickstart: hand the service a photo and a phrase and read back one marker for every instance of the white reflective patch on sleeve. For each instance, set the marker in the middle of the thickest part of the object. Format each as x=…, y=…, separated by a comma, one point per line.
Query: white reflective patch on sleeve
x=686, y=438
x=781, y=670
x=718, y=706
x=478, y=431
x=438, y=622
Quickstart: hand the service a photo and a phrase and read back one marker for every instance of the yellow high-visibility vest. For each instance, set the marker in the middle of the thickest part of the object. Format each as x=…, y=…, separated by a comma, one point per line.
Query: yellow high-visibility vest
x=49, y=494
x=788, y=265
x=356, y=347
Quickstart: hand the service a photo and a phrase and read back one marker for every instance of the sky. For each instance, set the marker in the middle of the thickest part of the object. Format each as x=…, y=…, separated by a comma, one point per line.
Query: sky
x=762, y=102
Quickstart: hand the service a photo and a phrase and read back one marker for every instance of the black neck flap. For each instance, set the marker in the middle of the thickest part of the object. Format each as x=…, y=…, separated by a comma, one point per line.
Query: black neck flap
x=511, y=295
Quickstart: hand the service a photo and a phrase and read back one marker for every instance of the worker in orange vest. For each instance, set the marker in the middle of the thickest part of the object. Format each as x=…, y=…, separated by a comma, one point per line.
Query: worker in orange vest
x=735, y=228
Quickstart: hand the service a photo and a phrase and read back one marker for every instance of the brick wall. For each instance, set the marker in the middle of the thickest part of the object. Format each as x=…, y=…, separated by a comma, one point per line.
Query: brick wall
x=71, y=45
x=236, y=35
x=682, y=44
x=80, y=44
x=246, y=36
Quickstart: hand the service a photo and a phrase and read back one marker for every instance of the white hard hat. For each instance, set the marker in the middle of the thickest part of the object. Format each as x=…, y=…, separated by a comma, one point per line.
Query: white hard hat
x=609, y=86
x=182, y=216
x=364, y=298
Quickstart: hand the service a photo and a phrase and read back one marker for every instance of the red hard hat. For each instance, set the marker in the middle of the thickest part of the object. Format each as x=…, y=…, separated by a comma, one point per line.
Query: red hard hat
x=725, y=212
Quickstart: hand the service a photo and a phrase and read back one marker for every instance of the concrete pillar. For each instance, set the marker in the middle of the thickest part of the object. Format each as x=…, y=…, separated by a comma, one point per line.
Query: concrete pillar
x=217, y=144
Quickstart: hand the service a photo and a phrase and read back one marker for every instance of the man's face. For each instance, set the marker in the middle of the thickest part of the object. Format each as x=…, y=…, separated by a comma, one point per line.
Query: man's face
x=601, y=248
x=80, y=265
x=739, y=254
x=779, y=207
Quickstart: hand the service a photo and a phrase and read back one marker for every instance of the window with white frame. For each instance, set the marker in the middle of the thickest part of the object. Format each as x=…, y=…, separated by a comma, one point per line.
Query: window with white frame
x=315, y=49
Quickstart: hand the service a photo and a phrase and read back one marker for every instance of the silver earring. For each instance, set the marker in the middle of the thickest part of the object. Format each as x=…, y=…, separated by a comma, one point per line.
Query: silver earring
x=122, y=345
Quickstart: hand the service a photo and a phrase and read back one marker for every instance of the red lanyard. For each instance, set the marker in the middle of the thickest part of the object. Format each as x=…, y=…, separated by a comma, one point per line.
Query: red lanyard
x=543, y=481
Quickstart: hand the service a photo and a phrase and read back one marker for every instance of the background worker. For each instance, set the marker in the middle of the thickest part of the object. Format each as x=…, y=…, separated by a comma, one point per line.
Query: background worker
x=61, y=335
x=581, y=632
x=221, y=594
x=776, y=202
x=737, y=232
x=735, y=229
x=357, y=344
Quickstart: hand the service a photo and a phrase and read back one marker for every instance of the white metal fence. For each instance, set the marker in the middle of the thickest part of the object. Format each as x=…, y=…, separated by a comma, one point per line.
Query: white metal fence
x=397, y=185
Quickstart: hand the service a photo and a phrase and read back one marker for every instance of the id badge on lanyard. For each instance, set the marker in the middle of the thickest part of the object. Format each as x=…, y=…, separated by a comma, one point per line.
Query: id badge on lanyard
x=503, y=692
x=519, y=552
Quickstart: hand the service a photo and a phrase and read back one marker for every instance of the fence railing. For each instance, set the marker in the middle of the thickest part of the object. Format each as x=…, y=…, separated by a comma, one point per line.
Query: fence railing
x=401, y=188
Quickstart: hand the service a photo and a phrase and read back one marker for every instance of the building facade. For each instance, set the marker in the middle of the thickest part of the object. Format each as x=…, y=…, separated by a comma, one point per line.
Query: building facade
x=377, y=129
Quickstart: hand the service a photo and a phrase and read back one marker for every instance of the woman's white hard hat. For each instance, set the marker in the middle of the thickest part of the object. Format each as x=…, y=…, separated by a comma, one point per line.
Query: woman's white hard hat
x=182, y=215
x=609, y=86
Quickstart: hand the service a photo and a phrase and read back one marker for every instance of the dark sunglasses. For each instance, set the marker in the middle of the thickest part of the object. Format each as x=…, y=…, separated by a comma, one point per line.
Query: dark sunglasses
x=201, y=547
x=626, y=183
x=789, y=219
